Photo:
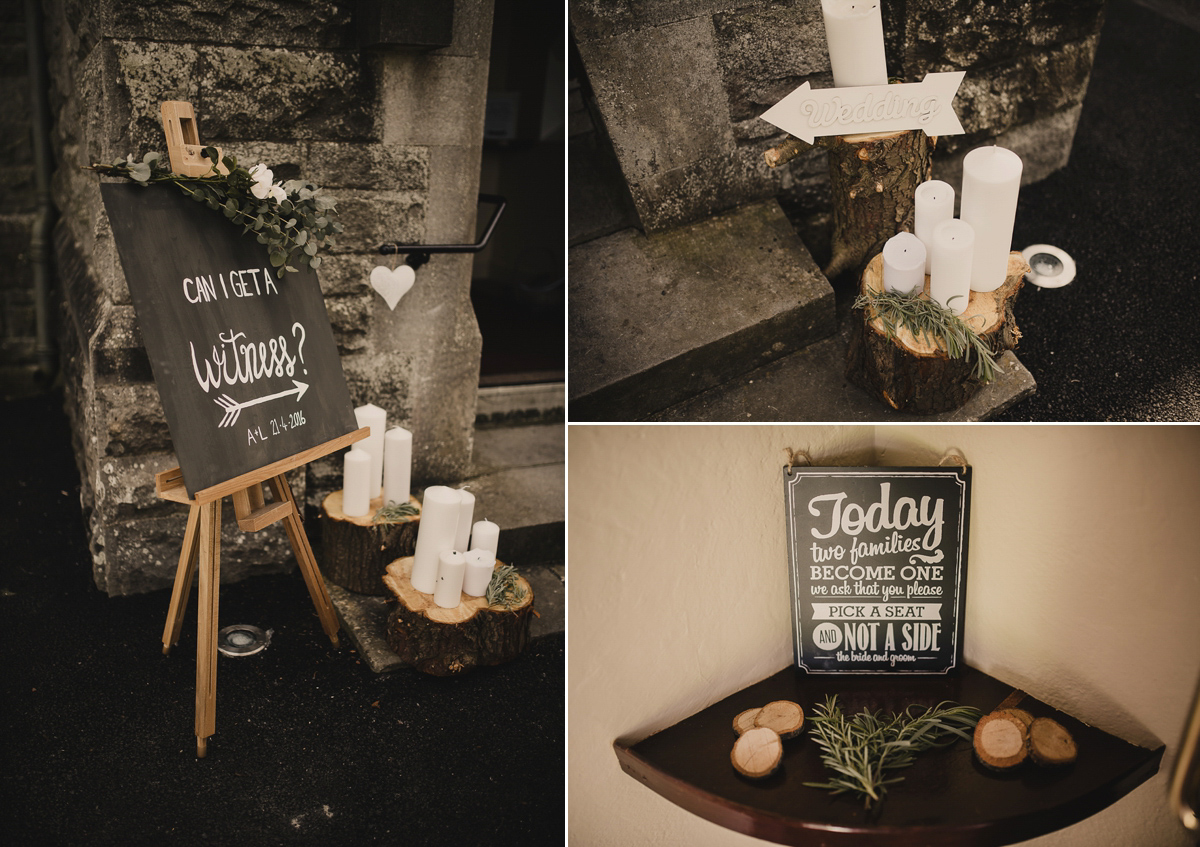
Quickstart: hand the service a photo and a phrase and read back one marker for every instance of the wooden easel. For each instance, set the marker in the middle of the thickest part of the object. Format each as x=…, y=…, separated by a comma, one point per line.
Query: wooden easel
x=202, y=550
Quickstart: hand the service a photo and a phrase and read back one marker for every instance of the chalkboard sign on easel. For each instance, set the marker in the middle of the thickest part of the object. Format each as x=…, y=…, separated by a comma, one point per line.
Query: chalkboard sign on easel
x=245, y=362
x=877, y=561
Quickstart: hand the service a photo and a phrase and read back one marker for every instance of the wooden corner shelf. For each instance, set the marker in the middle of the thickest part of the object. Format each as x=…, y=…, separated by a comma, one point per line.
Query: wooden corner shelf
x=946, y=797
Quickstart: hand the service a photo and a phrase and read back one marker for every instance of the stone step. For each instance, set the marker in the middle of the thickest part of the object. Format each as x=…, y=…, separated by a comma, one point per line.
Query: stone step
x=519, y=482
x=655, y=320
x=810, y=385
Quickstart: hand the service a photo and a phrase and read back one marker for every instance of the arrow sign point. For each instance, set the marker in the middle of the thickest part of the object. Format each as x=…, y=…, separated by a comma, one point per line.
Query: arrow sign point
x=303, y=386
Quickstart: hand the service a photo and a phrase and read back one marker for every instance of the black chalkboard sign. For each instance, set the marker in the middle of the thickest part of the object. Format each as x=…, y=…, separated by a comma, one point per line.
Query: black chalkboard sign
x=245, y=362
x=878, y=568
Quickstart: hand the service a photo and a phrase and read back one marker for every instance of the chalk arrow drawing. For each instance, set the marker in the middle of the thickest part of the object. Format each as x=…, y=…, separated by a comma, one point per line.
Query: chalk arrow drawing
x=807, y=113
x=233, y=408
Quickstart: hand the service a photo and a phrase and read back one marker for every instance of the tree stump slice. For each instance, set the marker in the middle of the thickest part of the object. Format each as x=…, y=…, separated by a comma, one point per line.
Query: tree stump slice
x=1001, y=740
x=783, y=716
x=1050, y=744
x=356, y=551
x=873, y=183
x=757, y=752
x=445, y=642
x=914, y=374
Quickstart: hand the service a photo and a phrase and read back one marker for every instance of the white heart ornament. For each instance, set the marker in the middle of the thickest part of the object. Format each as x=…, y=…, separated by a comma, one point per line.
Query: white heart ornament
x=392, y=284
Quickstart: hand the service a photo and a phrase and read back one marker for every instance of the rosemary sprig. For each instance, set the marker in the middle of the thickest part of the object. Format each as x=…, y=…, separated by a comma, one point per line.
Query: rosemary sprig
x=865, y=748
x=395, y=513
x=941, y=326
x=504, y=590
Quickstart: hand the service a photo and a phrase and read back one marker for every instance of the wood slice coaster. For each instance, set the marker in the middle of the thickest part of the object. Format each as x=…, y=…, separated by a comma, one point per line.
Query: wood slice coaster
x=915, y=374
x=745, y=720
x=757, y=752
x=444, y=642
x=1000, y=740
x=783, y=716
x=1050, y=743
x=355, y=551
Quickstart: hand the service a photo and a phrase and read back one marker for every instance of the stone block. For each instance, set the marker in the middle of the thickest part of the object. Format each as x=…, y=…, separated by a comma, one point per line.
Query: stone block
x=372, y=218
x=378, y=167
x=430, y=99
x=472, y=35
x=128, y=420
x=596, y=19
x=527, y=505
x=655, y=319
x=349, y=316
x=349, y=273
x=453, y=210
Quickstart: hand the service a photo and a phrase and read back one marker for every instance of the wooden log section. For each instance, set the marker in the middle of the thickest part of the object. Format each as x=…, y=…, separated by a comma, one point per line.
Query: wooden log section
x=1001, y=740
x=873, y=182
x=444, y=642
x=356, y=551
x=914, y=374
x=757, y=752
x=1049, y=743
x=783, y=716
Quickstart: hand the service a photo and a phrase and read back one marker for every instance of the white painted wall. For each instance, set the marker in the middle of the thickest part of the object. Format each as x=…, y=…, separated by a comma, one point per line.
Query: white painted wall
x=1083, y=589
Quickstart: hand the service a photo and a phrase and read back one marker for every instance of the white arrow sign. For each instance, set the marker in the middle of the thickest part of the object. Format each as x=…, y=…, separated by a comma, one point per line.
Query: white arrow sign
x=233, y=408
x=807, y=113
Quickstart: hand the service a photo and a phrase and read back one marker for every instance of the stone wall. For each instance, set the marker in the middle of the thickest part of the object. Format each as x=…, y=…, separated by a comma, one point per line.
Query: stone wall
x=680, y=87
x=396, y=136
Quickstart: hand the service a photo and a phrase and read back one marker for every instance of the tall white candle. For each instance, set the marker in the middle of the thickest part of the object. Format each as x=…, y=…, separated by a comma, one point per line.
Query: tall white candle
x=452, y=567
x=854, y=32
x=435, y=533
x=934, y=203
x=481, y=564
x=376, y=418
x=484, y=536
x=904, y=263
x=397, y=465
x=950, y=280
x=466, y=512
x=991, y=182
x=356, y=482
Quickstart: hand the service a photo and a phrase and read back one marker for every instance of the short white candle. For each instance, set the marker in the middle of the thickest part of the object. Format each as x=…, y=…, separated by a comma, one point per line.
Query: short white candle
x=950, y=281
x=481, y=564
x=904, y=263
x=435, y=533
x=484, y=536
x=376, y=418
x=854, y=32
x=934, y=203
x=397, y=465
x=466, y=512
x=991, y=182
x=452, y=567
x=356, y=483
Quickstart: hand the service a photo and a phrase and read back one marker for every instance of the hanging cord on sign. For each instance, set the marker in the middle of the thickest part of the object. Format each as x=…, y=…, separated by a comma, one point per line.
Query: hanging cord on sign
x=954, y=458
x=794, y=456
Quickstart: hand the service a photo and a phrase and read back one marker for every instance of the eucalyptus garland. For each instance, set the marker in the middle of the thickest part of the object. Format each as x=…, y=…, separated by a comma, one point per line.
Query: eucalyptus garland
x=864, y=749
x=923, y=315
x=293, y=219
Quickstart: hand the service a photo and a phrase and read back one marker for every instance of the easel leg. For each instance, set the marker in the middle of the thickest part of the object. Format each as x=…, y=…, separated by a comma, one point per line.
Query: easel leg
x=307, y=561
x=206, y=625
x=183, y=581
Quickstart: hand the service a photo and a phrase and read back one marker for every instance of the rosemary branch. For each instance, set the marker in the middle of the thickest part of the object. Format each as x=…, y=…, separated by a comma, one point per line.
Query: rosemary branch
x=395, y=513
x=504, y=590
x=923, y=316
x=865, y=748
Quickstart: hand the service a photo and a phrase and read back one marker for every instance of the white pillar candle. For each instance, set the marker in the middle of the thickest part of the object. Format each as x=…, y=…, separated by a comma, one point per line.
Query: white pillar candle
x=435, y=533
x=991, y=182
x=356, y=483
x=854, y=32
x=950, y=280
x=397, y=465
x=452, y=567
x=934, y=203
x=480, y=566
x=484, y=536
x=376, y=418
x=904, y=263
x=466, y=512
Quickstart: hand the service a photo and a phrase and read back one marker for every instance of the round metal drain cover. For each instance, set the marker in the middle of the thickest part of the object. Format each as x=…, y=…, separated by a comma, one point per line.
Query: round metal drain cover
x=1049, y=266
x=242, y=640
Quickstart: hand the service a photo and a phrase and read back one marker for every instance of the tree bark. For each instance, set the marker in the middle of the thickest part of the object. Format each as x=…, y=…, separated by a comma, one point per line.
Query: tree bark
x=444, y=642
x=915, y=374
x=356, y=551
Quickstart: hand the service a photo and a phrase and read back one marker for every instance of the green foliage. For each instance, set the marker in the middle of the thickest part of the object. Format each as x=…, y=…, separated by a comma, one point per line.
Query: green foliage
x=863, y=749
x=292, y=229
x=504, y=590
x=395, y=513
x=924, y=316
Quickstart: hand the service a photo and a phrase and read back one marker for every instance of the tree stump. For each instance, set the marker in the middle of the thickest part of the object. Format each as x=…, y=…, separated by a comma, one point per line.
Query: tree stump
x=356, y=551
x=873, y=182
x=914, y=374
x=444, y=642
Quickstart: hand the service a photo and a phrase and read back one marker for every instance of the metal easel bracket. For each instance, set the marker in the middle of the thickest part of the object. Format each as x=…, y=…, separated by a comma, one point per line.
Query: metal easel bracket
x=418, y=254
